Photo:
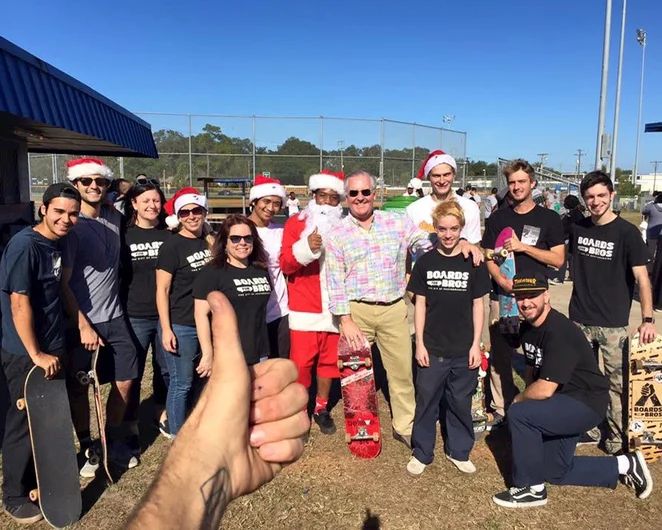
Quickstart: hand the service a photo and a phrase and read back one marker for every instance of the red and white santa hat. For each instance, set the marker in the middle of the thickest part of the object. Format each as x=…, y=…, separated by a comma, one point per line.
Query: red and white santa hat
x=434, y=159
x=83, y=167
x=327, y=179
x=181, y=198
x=265, y=187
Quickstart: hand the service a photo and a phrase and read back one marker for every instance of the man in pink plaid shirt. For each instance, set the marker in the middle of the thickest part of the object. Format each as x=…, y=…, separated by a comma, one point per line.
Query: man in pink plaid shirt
x=365, y=263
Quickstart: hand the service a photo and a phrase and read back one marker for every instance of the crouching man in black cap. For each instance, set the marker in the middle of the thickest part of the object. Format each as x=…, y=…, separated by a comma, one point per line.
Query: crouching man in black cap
x=566, y=395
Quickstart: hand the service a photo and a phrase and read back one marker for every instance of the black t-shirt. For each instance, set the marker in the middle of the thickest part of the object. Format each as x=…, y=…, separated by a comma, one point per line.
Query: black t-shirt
x=248, y=291
x=558, y=352
x=140, y=251
x=450, y=285
x=539, y=227
x=603, y=257
x=32, y=265
x=184, y=258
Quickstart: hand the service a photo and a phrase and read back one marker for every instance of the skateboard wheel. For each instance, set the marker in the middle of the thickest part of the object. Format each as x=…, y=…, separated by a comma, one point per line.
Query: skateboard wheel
x=637, y=366
x=348, y=438
x=20, y=404
x=368, y=362
x=83, y=378
x=489, y=254
x=341, y=364
x=34, y=495
x=375, y=437
x=94, y=459
x=503, y=253
x=636, y=442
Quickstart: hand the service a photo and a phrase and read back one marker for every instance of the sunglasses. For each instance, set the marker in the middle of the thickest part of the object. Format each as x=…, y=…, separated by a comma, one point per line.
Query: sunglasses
x=102, y=182
x=153, y=182
x=236, y=239
x=198, y=210
x=355, y=193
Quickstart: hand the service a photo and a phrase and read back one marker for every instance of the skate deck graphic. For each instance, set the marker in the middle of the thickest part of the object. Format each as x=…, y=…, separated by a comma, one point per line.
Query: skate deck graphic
x=508, y=312
x=645, y=398
x=357, y=382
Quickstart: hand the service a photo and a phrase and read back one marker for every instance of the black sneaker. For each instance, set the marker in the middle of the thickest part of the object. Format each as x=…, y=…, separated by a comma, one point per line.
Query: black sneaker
x=325, y=421
x=638, y=476
x=521, y=498
x=164, y=429
x=497, y=421
x=403, y=439
x=586, y=439
x=27, y=513
x=133, y=443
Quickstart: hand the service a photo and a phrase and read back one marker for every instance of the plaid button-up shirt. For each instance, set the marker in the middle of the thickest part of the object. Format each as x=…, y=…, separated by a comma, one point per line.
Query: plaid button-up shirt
x=369, y=264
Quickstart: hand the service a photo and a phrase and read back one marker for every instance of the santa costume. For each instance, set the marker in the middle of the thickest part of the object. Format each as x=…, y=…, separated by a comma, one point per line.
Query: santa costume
x=314, y=330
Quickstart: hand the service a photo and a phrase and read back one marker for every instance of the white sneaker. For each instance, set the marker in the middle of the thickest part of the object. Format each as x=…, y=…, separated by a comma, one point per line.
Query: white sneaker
x=88, y=470
x=466, y=466
x=414, y=467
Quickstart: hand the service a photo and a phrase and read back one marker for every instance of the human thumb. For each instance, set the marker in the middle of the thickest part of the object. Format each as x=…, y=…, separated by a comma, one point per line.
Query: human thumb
x=229, y=369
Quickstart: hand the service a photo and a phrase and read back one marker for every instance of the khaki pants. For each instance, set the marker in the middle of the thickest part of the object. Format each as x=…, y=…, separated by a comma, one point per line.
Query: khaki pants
x=502, y=386
x=389, y=328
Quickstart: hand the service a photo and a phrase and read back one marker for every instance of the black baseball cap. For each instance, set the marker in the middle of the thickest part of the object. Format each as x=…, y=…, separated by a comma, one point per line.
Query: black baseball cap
x=60, y=189
x=529, y=283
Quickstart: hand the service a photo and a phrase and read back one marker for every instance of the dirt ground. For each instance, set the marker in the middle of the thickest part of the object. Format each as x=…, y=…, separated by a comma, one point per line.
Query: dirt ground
x=330, y=489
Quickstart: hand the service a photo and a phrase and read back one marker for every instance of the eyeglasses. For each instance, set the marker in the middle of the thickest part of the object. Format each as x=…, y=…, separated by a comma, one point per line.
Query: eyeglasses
x=153, y=182
x=198, y=210
x=102, y=182
x=236, y=239
x=355, y=193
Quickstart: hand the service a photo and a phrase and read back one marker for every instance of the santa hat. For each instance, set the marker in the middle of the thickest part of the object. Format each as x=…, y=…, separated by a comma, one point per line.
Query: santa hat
x=328, y=179
x=415, y=184
x=434, y=159
x=264, y=187
x=182, y=198
x=82, y=167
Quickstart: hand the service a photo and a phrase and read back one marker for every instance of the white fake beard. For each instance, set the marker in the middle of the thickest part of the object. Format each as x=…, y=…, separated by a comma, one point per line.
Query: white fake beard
x=322, y=216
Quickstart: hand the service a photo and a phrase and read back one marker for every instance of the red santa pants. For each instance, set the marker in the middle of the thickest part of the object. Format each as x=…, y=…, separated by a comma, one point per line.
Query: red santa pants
x=306, y=346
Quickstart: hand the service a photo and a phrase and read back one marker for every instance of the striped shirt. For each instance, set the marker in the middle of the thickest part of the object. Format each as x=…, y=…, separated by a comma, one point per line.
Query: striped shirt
x=369, y=264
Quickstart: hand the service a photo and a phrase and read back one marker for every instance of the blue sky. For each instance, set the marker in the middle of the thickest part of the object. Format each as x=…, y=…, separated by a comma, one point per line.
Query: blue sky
x=521, y=76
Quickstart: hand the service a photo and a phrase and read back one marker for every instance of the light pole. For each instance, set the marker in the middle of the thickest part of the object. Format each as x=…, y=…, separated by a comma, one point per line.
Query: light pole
x=341, y=146
x=655, y=163
x=448, y=119
x=641, y=39
x=617, y=112
x=603, y=86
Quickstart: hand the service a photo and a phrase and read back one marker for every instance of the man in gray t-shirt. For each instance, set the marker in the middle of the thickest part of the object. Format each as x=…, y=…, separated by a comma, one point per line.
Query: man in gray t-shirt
x=90, y=288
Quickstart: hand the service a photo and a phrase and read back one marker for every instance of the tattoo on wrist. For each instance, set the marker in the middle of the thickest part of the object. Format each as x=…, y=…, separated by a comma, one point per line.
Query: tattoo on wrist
x=215, y=493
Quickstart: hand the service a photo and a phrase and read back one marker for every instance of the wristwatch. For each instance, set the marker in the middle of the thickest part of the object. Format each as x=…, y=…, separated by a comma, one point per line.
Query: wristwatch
x=648, y=320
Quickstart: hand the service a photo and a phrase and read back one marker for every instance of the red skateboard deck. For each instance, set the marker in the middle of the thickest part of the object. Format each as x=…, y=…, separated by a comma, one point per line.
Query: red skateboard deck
x=359, y=396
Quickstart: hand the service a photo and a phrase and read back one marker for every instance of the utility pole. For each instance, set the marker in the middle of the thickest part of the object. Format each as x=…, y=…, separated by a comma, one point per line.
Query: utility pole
x=603, y=86
x=543, y=159
x=655, y=163
x=617, y=111
x=580, y=154
x=641, y=39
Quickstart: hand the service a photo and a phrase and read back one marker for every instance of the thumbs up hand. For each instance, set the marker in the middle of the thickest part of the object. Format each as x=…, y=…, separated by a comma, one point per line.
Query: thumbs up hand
x=315, y=241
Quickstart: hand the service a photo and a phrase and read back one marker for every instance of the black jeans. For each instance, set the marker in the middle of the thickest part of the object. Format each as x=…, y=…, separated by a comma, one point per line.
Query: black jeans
x=17, y=463
x=279, y=338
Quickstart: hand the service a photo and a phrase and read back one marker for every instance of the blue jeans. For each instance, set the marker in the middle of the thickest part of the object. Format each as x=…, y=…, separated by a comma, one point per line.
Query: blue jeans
x=181, y=367
x=544, y=436
x=144, y=334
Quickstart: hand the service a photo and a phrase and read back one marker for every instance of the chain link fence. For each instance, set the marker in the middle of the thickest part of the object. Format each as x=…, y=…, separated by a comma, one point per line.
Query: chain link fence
x=290, y=149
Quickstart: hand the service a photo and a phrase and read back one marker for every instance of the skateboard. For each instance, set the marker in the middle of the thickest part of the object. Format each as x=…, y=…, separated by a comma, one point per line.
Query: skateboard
x=645, y=403
x=479, y=414
x=508, y=312
x=97, y=453
x=52, y=440
x=359, y=396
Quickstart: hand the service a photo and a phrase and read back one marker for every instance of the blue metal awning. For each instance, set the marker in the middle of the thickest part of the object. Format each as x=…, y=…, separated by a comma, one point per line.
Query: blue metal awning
x=57, y=114
x=653, y=127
